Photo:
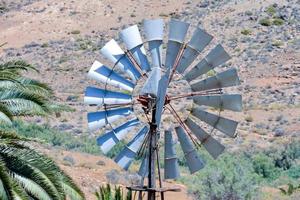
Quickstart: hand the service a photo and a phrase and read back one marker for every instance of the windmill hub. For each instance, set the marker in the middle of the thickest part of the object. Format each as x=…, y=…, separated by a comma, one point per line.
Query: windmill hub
x=182, y=105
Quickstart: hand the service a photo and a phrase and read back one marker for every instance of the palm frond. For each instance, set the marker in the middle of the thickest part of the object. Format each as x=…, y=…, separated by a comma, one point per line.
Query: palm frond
x=27, y=85
x=72, y=193
x=5, y=115
x=17, y=66
x=24, y=104
x=5, y=183
x=32, y=165
x=31, y=187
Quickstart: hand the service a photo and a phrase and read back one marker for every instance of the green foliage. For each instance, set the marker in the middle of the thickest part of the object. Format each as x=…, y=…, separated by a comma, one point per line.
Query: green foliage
x=294, y=172
x=277, y=43
x=106, y=193
x=25, y=174
x=278, y=21
x=47, y=134
x=246, y=32
x=271, y=10
x=116, y=149
x=265, y=22
x=264, y=166
x=229, y=177
x=286, y=156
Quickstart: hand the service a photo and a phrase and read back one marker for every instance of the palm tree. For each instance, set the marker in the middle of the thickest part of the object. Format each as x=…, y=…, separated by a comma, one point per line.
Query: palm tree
x=21, y=96
x=28, y=175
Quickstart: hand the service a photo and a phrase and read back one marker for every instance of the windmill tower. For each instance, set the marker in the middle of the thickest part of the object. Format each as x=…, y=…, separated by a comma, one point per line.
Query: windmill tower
x=148, y=90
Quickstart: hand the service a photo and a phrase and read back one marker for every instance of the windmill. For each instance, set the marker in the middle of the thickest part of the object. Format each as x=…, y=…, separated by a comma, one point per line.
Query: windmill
x=137, y=93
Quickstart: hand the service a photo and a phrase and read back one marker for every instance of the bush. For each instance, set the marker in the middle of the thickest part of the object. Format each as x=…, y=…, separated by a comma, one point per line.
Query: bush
x=75, y=32
x=246, y=32
x=286, y=156
x=54, y=137
x=278, y=22
x=271, y=10
x=264, y=166
x=294, y=172
x=265, y=22
x=229, y=177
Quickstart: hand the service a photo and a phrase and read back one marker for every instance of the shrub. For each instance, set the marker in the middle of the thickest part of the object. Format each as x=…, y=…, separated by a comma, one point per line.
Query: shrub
x=265, y=22
x=286, y=156
x=271, y=10
x=278, y=21
x=294, y=172
x=264, y=166
x=249, y=118
x=229, y=177
x=246, y=32
x=54, y=137
x=75, y=32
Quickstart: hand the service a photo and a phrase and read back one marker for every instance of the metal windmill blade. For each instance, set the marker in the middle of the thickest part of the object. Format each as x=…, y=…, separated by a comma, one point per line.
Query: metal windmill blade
x=225, y=101
x=113, y=52
x=154, y=31
x=216, y=57
x=108, y=140
x=103, y=74
x=97, y=96
x=133, y=41
x=97, y=120
x=126, y=156
x=199, y=41
x=213, y=147
x=154, y=95
x=194, y=161
x=171, y=160
x=224, y=125
x=177, y=33
x=224, y=79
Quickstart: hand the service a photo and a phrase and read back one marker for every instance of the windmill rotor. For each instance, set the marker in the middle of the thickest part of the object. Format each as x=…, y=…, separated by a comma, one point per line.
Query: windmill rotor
x=142, y=102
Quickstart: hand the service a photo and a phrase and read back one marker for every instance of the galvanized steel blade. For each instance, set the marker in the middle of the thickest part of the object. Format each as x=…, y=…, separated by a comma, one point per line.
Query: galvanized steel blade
x=194, y=161
x=222, y=124
x=97, y=120
x=127, y=155
x=105, y=75
x=108, y=140
x=212, y=146
x=177, y=33
x=199, y=41
x=133, y=41
x=152, y=82
x=161, y=96
x=224, y=79
x=154, y=31
x=97, y=96
x=216, y=57
x=226, y=101
x=113, y=52
x=171, y=161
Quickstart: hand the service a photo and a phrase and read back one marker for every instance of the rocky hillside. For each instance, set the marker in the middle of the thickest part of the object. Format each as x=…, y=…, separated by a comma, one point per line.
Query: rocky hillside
x=63, y=38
